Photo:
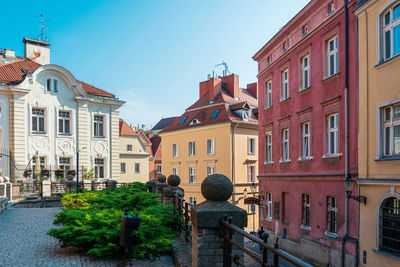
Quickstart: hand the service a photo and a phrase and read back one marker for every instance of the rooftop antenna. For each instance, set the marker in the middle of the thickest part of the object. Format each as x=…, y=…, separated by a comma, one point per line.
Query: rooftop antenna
x=226, y=70
x=43, y=28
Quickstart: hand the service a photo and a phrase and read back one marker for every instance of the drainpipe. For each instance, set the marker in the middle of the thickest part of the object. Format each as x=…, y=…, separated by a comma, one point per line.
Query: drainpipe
x=233, y=164
x=346, y=127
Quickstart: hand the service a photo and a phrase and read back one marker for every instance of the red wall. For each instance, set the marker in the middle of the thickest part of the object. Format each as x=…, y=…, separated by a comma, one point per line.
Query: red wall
x=318, y=177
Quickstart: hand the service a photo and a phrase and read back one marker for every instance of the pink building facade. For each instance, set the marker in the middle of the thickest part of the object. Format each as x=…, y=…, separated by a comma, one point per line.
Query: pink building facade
x=301, y=134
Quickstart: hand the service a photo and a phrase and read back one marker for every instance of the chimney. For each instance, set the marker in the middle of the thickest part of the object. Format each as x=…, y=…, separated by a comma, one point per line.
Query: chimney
x=212, y=86
x=231, y=83
x=253, y=88
x=36, y=50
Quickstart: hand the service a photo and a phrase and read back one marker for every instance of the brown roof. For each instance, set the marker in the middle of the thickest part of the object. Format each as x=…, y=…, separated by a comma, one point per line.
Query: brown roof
x=156, y=146
x=125, y=130
x=13, y=73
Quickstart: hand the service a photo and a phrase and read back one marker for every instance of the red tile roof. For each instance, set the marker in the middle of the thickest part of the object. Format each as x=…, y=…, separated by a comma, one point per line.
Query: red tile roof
x=125, y=130
x=156, y=146
x=12, y=73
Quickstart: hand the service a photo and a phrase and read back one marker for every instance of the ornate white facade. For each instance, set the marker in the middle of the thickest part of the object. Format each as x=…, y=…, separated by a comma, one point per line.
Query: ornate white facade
x=52, y=114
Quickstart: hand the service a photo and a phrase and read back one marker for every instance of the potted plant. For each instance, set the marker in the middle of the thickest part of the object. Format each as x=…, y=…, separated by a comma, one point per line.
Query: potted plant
x=45, y=173
x=60, y=174
x=27, y=173
x=71, y=174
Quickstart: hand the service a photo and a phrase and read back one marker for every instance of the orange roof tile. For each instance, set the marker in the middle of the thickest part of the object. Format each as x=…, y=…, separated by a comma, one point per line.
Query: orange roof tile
x=125, y=130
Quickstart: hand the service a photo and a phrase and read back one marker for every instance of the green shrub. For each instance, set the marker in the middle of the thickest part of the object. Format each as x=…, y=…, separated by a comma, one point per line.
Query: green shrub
x=91, y=221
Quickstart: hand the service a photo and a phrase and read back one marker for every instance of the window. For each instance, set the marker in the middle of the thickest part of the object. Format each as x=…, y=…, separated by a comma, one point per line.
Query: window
x=41, y=164
x=48, y=85
x=245, y=114
x=38, y=120
x=333, y=134
x=195, y=121
x=210, y=170
x=305, y=73
x=285, y=85
x=304, y=30
x=306, y=140
x=98, y=126
x=128, y=147
x=268, y=94
x=137, y=167
x=159, y=170
x=123, y=167
x=55, y=85
x=99, y=167
x=192, y=200
x=285, y=144
x=64, y=163
x=215, y=114
x=64, y=122
x=251, y=144
x=330, y=8
x=269, y=146
x=192, y=148
x=268, y=60
x=391, y=130
x=306, y=210
x=210, y=147
x=175, y=152
x=251, y=174
x=183, y=120
x=269, y=206
x=251, y=208
x=391, y=32
x=332, y=214
x=332, y=59
x=284, y=46
x=192, y=175
x=389, y=225
x=175, y=171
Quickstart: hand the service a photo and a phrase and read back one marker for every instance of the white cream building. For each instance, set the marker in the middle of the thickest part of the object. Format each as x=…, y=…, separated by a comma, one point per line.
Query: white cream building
x=46, y=110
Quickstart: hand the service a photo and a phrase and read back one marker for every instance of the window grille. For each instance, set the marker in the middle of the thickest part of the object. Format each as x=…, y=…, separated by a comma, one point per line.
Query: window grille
x=389, y=226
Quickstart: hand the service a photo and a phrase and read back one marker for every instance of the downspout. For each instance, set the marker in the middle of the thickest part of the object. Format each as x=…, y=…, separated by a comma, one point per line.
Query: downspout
x=346, y=127
x=233, y=163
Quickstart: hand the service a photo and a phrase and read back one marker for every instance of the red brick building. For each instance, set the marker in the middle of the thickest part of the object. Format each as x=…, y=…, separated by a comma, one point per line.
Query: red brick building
x=302, y=133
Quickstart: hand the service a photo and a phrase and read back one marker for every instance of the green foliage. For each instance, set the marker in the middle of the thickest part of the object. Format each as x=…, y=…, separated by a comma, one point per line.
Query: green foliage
x=88, y=174
x=91, y=221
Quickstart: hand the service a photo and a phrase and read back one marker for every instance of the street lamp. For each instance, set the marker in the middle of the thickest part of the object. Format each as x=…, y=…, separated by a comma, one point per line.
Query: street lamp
x=348, y=188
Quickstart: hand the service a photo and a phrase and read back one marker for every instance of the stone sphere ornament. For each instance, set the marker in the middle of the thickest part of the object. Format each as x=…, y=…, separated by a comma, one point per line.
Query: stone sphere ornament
x=216, y=187
x=162, y=178
x=174, y=180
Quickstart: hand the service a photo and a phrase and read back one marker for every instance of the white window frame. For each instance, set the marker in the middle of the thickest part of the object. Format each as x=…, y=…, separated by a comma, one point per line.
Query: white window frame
x=159, y=168
x=137, y=167
x=98, y=166
x=192, y=175
x=175, y=170
x=285, y=84
x=62, y=122
x=123, y=167
x=63, y=164
x=335, y=131
x=389, y=124
x=285, y=145
x=269, y=206
x=175, y=150
x=96, y=124
x=331, y=208
x=210, y=170
x=251, y=171
x=192, y=200
x=388, y=28
x=305, y=78
x=55, y=86
x=306, y=140
x=268, y=94
x=245, y=114
x=129, y=147
x=38, y=118
x=251, y=144
x=268, y=141
x=192, y=148
x=306, y=201
x=210, y=146
x=332, y=56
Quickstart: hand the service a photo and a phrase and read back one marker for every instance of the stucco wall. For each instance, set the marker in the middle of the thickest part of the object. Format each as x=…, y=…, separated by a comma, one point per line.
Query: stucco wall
x=137, y=155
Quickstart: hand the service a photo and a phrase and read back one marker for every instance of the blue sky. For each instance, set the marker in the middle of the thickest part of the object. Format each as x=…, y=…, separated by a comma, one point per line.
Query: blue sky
x=152, y=53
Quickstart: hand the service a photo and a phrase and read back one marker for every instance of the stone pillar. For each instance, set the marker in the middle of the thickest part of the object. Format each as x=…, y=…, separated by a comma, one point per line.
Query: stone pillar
x=160, y=184
x=9, y=191
x=172, y=189
x=207, y=241
x=46, y=188
x=152, y=183
x=2, y=187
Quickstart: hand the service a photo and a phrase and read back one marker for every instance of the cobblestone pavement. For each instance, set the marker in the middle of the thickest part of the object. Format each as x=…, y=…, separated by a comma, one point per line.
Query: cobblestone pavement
x=24, y=242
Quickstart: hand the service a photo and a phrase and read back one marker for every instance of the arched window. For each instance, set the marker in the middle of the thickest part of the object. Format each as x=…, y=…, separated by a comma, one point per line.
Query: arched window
x=389, y=225
x=390, y=36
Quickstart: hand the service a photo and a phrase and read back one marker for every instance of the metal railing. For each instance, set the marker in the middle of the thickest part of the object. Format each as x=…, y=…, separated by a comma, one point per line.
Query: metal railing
x=228, y=229
x=183, y=208
x=31, y=188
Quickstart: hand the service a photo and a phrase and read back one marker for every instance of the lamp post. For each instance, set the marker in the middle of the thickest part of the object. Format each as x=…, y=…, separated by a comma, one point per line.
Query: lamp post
x=349, y=187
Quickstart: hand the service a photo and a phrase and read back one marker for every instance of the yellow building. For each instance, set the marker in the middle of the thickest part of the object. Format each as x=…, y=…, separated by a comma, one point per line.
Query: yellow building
x=133, y=156
x=217, y=134
x=379, y=131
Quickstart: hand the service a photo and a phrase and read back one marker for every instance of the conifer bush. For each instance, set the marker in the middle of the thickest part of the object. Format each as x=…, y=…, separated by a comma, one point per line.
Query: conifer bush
x=91, y=221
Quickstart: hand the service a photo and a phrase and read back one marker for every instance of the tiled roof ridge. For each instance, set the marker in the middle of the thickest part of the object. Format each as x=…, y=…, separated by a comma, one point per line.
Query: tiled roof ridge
x=125, y=130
